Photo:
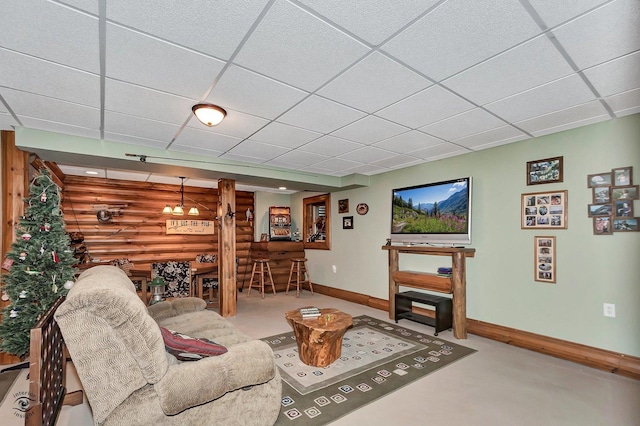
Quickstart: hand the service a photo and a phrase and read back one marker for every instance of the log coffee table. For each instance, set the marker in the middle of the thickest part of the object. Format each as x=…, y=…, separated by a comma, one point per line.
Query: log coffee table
x=319, y=339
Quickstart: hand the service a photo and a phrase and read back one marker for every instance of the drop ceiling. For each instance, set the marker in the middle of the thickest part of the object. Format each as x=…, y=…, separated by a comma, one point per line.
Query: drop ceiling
x=330, y=87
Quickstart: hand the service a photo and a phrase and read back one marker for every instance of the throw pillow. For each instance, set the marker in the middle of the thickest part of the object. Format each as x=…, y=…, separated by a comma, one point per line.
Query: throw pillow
x=187, y=348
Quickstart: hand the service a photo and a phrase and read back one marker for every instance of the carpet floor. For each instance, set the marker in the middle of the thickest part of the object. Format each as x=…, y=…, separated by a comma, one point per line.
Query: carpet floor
x=377, y=358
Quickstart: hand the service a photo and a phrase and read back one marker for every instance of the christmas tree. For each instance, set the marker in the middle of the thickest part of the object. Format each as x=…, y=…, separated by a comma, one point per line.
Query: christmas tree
x=40, y=265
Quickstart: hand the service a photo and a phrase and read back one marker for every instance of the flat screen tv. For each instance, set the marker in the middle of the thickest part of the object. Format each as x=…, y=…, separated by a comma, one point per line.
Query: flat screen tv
x=432, y=213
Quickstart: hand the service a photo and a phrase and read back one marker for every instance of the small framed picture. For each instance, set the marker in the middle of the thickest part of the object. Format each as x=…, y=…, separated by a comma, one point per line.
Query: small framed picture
x=343, y=206
x=548, y=170
x=622, y=176
x=601, y=194
x=624, y=192
x=602, y=225
x=545, y=259
x=623, y=208
x=544, y=210
x=599, y=210
x=599, y=179
x=264, y=238
x=625, y=224
x=347, y=222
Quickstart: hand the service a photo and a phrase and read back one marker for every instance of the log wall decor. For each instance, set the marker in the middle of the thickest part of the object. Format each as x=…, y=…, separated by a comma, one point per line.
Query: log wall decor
x=138, y=232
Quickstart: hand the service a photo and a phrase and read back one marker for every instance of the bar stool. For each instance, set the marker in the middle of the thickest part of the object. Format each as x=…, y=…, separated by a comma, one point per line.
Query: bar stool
x=296, y=265
x=260, y=276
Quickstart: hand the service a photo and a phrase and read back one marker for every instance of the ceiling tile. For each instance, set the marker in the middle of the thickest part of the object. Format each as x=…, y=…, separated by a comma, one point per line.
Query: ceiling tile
x=563, y=117
x=369, y=130
x=133, y=140
x=127, y=175
x=90, y=6
x=408, y=141
x=337, y=164
x=63, y=42
x=560, y=94
x=82, y=171
x=367, y=154
x=554, y=12
x=616, y=76
x=439, y=151
x=248, y=92
x=320, y=114
x=203, y=152
x=365, y=169
x=139, y=101
x=192, y=24
x=25, y=73
x=235, y=124
x=284, y=135
x=529, y=65
x=499, y=134
x=140, y=127
x=330, y=145
x=33, y=123
x=374, y=83
x=298, y=158
x=259, y=150
x=203, y=139
x=468, y=123
x=396, y=161
x=384, y=17
x=625, y=103
x=7, y=121
x=136, y=58
x=461, y=33
x=49, y=109
x=292, y=45
x=430, y=105
x=604, y=34
x=241, y=158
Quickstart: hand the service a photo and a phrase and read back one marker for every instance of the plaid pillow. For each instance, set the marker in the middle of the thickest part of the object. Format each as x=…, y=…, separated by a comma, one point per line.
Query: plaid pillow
x=187, y=348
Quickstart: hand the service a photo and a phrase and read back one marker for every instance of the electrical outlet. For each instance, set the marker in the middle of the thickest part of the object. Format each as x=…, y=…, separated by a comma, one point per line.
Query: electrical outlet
x=609, y=310
x=334, y=269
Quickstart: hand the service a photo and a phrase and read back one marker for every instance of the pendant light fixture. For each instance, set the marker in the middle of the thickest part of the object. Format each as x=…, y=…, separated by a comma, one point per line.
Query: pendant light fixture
x=209, y=114
x=178, y=210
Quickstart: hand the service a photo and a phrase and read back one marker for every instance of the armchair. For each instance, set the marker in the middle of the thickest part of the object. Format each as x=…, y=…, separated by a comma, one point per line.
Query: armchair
x=129, y=378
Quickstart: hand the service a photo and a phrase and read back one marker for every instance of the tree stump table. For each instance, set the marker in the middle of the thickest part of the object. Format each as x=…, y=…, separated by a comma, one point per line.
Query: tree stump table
x=319, y=339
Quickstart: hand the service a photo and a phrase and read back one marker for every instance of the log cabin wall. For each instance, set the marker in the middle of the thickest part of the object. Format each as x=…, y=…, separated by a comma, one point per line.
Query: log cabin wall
x=137, y=229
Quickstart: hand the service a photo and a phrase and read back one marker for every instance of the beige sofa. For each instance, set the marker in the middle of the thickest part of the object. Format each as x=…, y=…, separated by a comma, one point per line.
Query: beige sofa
x=117, y=348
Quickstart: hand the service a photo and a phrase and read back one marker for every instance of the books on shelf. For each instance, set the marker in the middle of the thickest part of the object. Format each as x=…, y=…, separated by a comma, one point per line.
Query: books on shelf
x=445, y=271
x=312, y=312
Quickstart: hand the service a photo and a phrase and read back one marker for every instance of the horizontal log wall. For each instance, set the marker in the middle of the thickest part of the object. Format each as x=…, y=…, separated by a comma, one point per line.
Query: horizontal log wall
x=137, y=229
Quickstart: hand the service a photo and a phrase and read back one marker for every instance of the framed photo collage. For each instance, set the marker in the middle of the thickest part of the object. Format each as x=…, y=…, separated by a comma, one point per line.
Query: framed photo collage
x=612, y=207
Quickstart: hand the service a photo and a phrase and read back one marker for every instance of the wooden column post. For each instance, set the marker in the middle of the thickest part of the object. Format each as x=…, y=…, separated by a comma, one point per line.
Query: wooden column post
x=459, y=287
x=393, y=287
x=227, y=247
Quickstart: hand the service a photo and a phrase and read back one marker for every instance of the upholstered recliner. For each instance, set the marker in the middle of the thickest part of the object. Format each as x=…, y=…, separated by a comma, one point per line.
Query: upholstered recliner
x=129, y=378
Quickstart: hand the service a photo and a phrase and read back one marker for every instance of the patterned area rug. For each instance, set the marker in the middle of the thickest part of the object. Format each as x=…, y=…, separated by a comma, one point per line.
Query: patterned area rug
x=377, y=358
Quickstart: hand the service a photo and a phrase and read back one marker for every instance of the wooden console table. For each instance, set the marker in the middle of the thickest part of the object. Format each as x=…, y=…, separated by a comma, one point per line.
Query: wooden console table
x=456, y=284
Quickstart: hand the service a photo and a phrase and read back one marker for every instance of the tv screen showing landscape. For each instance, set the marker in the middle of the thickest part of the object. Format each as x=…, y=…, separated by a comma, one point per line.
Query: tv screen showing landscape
x=433, y=212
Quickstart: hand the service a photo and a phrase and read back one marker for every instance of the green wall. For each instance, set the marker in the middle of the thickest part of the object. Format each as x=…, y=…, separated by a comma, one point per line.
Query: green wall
x=591, y=270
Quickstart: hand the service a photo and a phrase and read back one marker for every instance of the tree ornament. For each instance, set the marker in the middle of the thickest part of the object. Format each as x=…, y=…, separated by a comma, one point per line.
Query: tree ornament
x=5, y=296
x=42, y=249
x=23, y=255
x=13, y=314
x=46, y=227
x=26, y=237
x=23, y=294
x=56, y=259
x=43, y=197
x=68, y=285
x=7, y=263
x=55, y=212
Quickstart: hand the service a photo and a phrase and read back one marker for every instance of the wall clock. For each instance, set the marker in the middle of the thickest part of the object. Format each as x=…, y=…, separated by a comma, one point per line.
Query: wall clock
x=362, y=208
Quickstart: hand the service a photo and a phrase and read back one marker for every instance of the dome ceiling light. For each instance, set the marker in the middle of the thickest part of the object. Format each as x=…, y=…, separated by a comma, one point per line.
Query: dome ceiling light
x=209, y=114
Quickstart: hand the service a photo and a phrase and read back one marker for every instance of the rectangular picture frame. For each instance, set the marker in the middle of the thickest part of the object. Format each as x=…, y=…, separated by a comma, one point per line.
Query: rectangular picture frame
x=544, y=257
x=625, y=192
x=347, y=222
x=547, y=170
x=598, y=210
x=343, y=206
x=622, y=176
x=599, y=179
x=623, y=208
x=544, y=210
x=601, y=194
x=625, y=224
x=602, y=225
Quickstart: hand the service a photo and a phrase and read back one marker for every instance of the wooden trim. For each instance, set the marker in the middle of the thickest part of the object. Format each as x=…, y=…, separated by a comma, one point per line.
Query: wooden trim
x=601, y=359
